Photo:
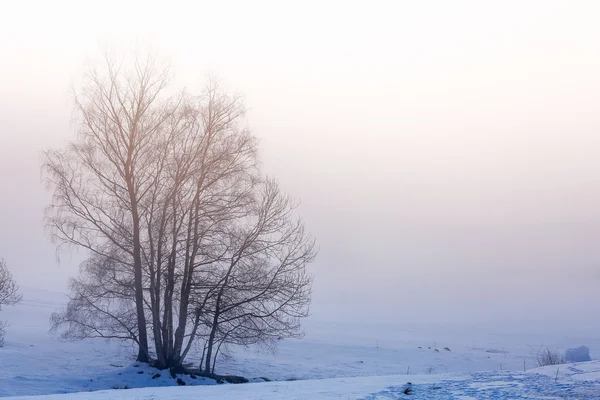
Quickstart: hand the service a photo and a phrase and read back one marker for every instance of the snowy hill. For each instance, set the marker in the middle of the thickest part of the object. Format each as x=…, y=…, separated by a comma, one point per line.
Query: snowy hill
x=504, y=385
x=341, y=361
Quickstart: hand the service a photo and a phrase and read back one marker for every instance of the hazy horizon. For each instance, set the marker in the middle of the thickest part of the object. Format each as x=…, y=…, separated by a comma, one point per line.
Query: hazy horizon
x=446, y=155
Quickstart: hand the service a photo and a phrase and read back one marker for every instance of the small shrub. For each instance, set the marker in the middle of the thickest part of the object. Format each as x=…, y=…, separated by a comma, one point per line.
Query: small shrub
x=155, y=376
x=548, y=356
x=180, y=382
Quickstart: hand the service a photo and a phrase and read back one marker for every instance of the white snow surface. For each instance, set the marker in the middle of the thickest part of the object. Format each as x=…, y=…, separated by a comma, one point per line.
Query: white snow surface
x=333, y=361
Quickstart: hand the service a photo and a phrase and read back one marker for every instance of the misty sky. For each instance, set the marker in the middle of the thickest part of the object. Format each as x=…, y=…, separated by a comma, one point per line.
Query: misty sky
x=447, y=154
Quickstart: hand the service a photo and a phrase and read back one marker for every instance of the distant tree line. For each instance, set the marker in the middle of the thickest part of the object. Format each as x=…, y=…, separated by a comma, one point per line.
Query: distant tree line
x=190, y=245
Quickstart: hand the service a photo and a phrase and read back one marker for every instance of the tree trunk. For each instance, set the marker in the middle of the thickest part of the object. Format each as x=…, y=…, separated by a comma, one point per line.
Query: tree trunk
x=180, y=333
x=211, y=342
x=202, y=359
x=156, y=327
x=216, y=355
x=139, y=292
x=143, y=355
x=191, y=251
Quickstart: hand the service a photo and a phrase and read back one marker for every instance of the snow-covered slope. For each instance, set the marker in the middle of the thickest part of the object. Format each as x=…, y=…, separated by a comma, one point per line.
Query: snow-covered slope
x=378, y=359
x=499, y=385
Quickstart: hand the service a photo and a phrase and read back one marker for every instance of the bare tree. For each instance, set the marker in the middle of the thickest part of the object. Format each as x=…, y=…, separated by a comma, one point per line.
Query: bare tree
x=186, y=240
x=9, y=294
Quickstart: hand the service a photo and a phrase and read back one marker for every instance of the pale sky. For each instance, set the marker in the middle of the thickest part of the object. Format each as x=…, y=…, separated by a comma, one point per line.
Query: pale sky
x=447, y=154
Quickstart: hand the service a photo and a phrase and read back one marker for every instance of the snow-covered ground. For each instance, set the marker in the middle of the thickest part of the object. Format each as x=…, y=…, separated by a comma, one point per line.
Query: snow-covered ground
x=335, y=360
x=537, y=384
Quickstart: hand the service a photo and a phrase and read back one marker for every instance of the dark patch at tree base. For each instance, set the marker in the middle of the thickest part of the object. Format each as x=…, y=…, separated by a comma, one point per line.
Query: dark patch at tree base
x=219, y=378
x=195, y=373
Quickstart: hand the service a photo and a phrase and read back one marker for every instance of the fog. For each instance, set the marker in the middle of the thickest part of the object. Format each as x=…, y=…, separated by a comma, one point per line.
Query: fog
x=446, y=153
